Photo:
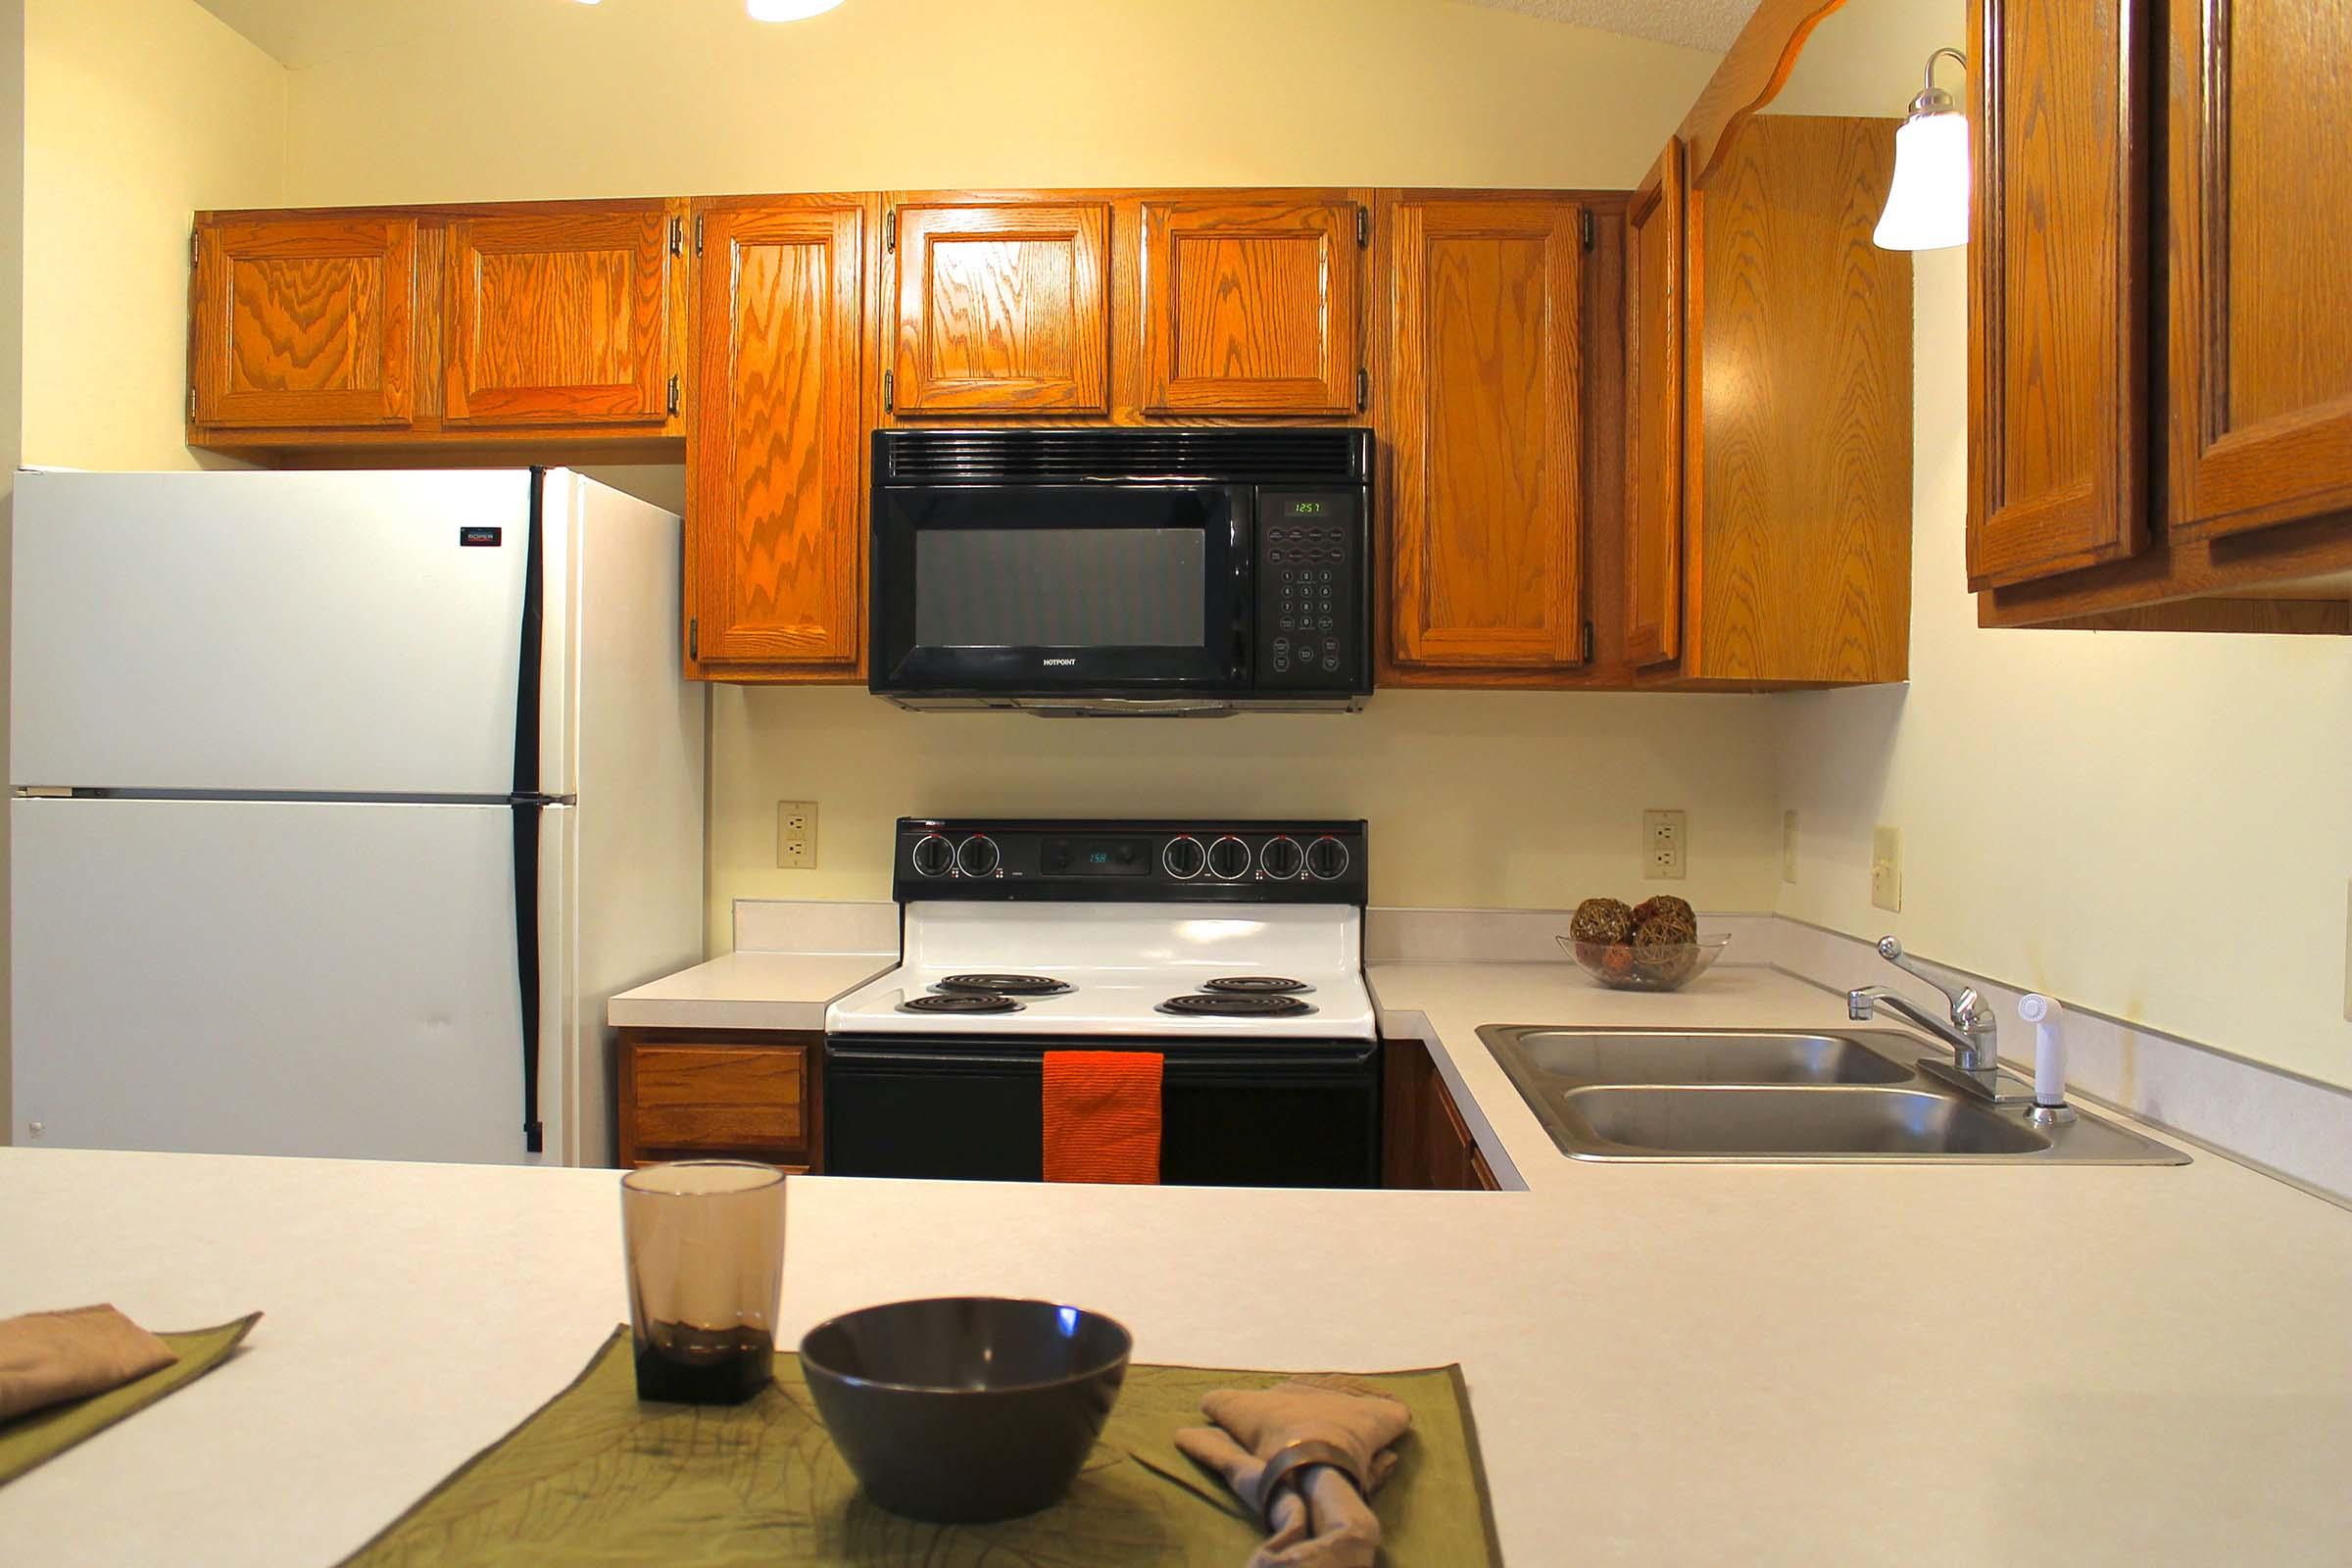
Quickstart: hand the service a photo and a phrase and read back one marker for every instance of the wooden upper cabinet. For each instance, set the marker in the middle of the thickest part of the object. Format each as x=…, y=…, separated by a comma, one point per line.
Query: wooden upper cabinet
x=1251, y=305
x=1654, y=414
x=305, y=320
x=775, y=492
x=2058, y=309
x=2261, y=308
x=567, y=318
x=1003, y=307
x=1484, y=369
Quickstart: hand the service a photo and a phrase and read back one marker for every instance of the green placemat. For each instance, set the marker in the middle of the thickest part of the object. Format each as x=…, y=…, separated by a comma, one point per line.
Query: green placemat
x=43, y=1434
x=596, y=1477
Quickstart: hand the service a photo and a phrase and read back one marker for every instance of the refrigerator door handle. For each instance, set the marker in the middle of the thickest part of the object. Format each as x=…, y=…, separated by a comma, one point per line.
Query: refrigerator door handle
x=526, y=962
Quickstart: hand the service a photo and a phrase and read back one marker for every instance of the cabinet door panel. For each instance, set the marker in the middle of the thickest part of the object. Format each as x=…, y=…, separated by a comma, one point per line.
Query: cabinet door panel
x=720, y=1097
x=559, y=319
x=1250, y=307
x=1654, y=414
x=2058, y=313
x=306, y=321
x=775, y=493
x=1003, y=309
x=1484, y=370
x=2260, y=371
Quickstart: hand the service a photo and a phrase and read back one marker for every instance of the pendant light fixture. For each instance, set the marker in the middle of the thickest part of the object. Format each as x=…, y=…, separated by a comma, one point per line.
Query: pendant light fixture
x=787, y=9
x=1927, y=205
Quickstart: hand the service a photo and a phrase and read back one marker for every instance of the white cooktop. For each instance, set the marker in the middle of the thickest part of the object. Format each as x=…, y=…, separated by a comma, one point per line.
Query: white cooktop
x=1122, y=961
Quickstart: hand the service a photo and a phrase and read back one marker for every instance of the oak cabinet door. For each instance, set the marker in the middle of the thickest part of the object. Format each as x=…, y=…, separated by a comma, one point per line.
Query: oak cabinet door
x=1654, y=414
x=561, y=318
x=2058, y=307
x=775, y=494
x=1250, y=307
x=1001, y=308
x=1484, y=372
x=305, y=321
x=2261, y=306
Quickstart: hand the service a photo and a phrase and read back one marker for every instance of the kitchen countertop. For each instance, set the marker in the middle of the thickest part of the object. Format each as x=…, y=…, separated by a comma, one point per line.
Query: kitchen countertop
x=746, y=991
x=1668, y=1363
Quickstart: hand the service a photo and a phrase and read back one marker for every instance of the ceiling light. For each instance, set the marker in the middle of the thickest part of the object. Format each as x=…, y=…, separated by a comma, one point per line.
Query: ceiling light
x=1927, y=203
x=787, y=9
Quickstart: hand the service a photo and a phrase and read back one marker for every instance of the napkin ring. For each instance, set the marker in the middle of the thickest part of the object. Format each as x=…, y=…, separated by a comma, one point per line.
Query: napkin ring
x=1291, y=1458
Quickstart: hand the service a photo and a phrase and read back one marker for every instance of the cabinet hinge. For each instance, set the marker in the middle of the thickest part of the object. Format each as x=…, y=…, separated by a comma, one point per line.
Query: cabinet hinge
x=1584, y=225
x=890, y=389
x=890, y=230
x=673, y=397
x=698, y=233
x=1363, y=389
x=1584, y=646
x=1363, y=225
x=677, y=236
x=694, y=640
x=195, y=243
x=191, y=403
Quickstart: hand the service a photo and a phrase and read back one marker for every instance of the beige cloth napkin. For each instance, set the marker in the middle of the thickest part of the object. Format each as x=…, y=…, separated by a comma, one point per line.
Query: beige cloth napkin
x=1319, y=1519
x=49, y=1356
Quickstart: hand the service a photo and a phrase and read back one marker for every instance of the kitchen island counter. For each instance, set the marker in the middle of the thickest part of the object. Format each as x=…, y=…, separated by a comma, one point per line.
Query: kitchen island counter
x=1668, y=1363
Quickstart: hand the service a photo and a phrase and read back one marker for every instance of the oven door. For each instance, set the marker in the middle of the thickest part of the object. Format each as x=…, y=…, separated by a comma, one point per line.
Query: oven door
x=1068, y=590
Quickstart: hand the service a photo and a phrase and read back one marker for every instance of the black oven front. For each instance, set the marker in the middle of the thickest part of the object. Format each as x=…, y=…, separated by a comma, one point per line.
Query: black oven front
x=1120, y=569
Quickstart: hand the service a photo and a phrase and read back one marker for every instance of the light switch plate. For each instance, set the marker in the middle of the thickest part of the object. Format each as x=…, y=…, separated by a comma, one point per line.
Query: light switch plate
x=1886, y=868
x=1665, y=837
x=1789, y=847
x=795, y=835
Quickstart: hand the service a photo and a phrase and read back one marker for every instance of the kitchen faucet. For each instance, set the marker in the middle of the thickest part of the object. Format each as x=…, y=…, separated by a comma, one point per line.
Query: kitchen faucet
x=1973, y=1033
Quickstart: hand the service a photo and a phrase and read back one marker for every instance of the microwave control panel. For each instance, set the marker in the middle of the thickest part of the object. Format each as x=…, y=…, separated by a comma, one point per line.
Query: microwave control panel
x=1310, y=591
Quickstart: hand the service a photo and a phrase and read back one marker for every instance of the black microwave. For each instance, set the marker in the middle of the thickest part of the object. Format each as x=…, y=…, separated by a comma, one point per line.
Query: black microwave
x=1117, y=570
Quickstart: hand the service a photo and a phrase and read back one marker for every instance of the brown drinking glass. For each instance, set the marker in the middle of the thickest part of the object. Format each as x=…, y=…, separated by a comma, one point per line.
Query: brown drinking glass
x=704, y=1245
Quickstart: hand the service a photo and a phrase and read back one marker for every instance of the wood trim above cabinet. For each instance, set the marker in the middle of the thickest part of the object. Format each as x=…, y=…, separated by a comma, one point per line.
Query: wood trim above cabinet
x=2261, y=290
x=563, y=319
x=304, y=320
x=2058, y=320
x=1656, y=267
x=1251, y=304
x=1752, y=72
x=1003, y=307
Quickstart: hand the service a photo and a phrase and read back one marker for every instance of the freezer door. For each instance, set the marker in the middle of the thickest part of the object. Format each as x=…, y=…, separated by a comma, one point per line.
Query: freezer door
x=269, y=632
x=277, y=978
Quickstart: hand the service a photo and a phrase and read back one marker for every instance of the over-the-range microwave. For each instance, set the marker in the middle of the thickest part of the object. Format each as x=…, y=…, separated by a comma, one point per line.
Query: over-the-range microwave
x=1117, y=570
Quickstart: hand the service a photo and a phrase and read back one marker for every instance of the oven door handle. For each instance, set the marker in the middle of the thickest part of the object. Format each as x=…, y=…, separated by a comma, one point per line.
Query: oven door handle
x=920, y=1058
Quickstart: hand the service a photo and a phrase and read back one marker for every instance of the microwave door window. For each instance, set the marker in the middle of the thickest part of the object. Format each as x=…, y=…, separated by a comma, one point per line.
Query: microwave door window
x=1060, y=588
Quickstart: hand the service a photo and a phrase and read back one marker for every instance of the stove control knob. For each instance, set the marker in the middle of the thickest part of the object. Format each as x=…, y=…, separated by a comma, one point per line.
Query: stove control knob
x=1327, y=858
x=976, y=855
x=1281, y=857
x=933, y=854
x=1229, y=858
x=1182, y=858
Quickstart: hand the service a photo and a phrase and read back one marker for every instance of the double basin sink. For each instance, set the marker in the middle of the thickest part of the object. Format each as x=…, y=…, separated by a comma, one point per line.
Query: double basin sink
x=1729, y=1094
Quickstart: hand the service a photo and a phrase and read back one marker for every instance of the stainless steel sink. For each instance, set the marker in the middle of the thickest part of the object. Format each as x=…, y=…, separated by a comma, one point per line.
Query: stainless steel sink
x=1732, y=1094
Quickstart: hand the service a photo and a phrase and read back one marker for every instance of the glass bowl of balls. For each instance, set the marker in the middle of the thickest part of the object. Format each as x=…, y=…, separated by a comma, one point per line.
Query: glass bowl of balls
x=1652, y=945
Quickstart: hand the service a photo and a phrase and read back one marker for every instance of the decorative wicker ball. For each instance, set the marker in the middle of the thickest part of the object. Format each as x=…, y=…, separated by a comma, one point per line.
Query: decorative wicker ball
x=1599, y=923
x=1617, y=960
x=1667, y=905
x=1662, y=948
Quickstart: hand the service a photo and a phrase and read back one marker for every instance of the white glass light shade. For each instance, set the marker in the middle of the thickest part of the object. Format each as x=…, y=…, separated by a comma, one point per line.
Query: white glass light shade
x=1927, y=205
x=787, y=9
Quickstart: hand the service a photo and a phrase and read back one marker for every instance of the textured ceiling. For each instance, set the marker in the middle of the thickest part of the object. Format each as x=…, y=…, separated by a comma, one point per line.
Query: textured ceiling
x=303, y=32
x=1698, y=23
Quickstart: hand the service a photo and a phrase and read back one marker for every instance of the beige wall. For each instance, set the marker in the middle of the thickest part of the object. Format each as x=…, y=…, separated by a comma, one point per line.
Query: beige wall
x=136, y=114
x=11, y=409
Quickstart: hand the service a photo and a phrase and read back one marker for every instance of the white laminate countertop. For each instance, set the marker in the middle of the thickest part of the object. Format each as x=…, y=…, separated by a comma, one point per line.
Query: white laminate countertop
x=746, y=991
x=1759, y=1364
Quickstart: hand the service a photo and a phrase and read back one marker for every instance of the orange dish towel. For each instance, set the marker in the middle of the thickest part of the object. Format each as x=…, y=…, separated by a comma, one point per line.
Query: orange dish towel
x=1103, y=1116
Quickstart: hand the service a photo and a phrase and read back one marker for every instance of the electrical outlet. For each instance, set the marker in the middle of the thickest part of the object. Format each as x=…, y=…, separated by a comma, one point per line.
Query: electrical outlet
x=795, y=835
x=1886, y=868
x=1789, y=847
x=1664, y=837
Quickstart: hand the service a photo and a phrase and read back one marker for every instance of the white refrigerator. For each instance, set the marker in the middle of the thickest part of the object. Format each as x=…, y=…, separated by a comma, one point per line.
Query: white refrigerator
x=339, y=804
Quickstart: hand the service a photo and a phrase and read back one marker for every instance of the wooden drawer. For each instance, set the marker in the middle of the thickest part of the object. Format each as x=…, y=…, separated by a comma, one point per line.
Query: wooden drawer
x=704, y=1098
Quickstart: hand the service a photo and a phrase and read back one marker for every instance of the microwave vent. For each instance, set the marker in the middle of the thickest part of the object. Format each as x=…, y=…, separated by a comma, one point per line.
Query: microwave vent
x=1294, y=455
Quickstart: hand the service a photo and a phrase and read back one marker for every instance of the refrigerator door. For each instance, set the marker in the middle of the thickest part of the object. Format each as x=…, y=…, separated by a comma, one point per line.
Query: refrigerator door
x=328, y=978
x=277, y=633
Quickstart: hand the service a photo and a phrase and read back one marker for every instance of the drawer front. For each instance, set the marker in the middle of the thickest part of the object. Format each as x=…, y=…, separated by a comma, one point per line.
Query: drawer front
x=707, y=1097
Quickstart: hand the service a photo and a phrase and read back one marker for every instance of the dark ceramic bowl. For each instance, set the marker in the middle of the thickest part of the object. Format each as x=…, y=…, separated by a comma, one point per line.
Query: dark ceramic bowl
x=965, y=1409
